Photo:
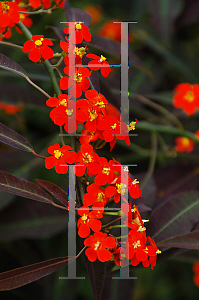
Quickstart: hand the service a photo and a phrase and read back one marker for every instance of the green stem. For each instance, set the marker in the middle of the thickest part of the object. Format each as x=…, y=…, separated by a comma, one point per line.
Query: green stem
x=47, y=64
x=61, y=134
x=108, y=224
x=10, y=44
x=111, y=213
x=116, y=226
x=166, y=129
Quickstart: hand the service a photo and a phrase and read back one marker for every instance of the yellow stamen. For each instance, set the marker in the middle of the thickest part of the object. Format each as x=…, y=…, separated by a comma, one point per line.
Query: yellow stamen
x=97, y=244
x=78, y=77
x=84, y=218
x=189, y=96
x=87, y=158
x=121, y=188
x=185, y=141
x=78, y=26
x=38, y=42
x=5, y=7
x=102, y=58
x=57, y=154
x=63, y=102
x=106, y=170
x=100, y=197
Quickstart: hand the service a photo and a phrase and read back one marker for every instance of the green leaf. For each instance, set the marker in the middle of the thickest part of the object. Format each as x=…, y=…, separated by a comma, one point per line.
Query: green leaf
x=14, y=139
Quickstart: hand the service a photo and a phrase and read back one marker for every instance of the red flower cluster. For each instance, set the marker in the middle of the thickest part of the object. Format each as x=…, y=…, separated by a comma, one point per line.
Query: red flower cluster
x=10, y=109
x=186, y=97
x=111, y=181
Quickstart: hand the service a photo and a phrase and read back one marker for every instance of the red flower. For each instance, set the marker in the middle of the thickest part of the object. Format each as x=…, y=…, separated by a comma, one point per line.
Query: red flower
x=78, y=84
x=78, y=52
x=99, y=63
x=96, y=195
x=10, y=109
x=119, y=256
x=54, y=102
x=153, y=252
x=79, y=32
x=86, y=159
x=38, y=47
x=184, y=144
x=186, y=97
x=97, y=246
x=95, y=12
x=117, y=190
x=36, y=3
x=61, y=156
x=111, y=30
x=112, y=128
x=134, y=189
x=88, y=137
x=9, y=14
x=106, y=173
x=87, y=221
x=65, y=114
x=196, y=273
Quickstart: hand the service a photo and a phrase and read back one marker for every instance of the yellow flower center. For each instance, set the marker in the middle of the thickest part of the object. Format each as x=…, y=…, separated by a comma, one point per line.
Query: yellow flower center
x=63, y=102
x=106, y=170
x=78, y=77
x=114, y=126
x=69, y=112
x=185, y=141
x=57, y=154
x=135, y=181
x=102, y=58
x=100, y=104
x=22, y=17
x=100, y=197
x=5, y=7
x=79, y=51
x=39, y=42
x=97, y=245
x=84, y=218
x=189, y=96
x=78, y=26
x=131, y=126
x=136, y=244
x=87, y=158
x=93, y=114
x=121, y=188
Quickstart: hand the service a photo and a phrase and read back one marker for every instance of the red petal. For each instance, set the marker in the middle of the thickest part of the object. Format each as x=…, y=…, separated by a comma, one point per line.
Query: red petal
x=95, y=225
x=34, y=55
x=109, y=242
x=47, y=52
x=28, y=46
x=91, y=254
x=61, y=167
x=84, y=230
x=103, y=255
x=50, y=162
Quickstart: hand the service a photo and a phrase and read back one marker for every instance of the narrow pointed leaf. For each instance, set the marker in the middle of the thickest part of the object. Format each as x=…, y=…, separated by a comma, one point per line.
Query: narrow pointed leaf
x=10, y=65
x=55, y=190
x=18, y=277
x=21, y=187
x=14, y=139
x=188, y=241
x=176, y=216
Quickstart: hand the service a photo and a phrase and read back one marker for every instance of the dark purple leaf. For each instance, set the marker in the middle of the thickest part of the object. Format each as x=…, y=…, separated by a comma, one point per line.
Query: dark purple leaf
x=114, y=48
x=164, y=14
x=21, y=276
x=31, y=220
x=188, y=241
x=12, y=138
x=55, y=190
x=8, y=64
x=173, y=179
x=77, y=14
x=21, y=187
x=190, y=13
x=176, y=216
x=59, y=32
